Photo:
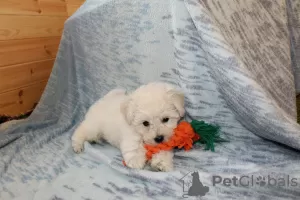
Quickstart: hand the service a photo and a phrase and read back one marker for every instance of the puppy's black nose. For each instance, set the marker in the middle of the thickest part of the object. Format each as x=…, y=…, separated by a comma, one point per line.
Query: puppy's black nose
x=159, y=139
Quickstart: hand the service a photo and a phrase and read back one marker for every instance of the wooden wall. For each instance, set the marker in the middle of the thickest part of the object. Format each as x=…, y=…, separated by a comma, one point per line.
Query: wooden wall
x=30, y=32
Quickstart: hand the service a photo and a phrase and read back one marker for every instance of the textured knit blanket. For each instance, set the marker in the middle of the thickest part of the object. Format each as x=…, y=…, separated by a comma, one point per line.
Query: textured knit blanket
x=238, y=64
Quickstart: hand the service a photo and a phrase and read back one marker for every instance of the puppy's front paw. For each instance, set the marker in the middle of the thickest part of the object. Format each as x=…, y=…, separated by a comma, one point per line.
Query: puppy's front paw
x=77, y=146
x=162, y=161
x=136, y=162
x=162, y=166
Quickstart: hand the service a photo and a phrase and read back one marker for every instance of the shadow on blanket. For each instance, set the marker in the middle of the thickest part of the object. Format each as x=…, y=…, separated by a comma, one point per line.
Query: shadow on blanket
x=6, y=118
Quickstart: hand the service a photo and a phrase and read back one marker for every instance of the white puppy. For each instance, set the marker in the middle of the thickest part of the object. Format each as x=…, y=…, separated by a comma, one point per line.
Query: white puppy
x=146, y=116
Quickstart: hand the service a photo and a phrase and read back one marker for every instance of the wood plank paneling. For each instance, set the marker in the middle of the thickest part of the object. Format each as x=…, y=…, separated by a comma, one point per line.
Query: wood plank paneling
x=78, y=2
x=30, y=32
x=33, y=7
x=17, y=76
x=53, y=7
x=71, y=8
x=21, y=100
x=28, y=50
x=26, y=7
x=20, y=27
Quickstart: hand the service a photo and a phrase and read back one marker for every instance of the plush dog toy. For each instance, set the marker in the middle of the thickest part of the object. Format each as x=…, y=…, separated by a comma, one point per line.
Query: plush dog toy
x=185, y=136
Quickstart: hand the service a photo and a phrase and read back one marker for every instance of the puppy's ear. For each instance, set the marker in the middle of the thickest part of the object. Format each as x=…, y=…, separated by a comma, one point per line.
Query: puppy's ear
x=177, y=97
x=127, y=109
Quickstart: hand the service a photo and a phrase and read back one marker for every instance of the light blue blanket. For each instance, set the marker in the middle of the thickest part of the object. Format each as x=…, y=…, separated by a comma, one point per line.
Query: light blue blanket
x=231, y=59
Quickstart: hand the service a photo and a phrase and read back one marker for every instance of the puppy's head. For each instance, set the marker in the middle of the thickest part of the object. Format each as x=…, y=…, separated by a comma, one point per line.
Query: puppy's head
x=153, y=111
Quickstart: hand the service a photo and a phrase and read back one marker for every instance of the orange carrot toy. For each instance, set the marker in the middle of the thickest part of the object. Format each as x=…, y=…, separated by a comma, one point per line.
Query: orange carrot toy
x=185, y=135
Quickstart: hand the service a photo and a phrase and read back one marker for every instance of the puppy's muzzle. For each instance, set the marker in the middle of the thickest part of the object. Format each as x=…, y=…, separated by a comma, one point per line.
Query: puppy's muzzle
x=159, y=139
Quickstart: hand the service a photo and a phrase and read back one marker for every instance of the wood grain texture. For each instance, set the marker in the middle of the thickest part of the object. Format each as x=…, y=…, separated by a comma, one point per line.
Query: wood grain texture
x=22, y=51
x=17, y=76
x=79, y=2
x=30, y=32
x=33, y=7
x=21, y=100
x=72, y=8
x=53, y=7
x=21, y=27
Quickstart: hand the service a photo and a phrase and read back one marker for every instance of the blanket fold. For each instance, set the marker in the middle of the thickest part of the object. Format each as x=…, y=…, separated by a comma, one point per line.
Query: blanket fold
x=233, y=61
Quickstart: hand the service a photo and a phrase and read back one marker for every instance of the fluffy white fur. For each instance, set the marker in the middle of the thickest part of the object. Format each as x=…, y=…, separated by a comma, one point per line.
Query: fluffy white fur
x=129, y=121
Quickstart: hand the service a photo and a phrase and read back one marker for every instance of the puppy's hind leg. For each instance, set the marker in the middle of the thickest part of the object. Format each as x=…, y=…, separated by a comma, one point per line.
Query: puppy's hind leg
x=84, y=132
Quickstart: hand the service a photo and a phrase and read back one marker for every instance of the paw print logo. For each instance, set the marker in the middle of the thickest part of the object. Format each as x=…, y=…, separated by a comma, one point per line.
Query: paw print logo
x=261, y=181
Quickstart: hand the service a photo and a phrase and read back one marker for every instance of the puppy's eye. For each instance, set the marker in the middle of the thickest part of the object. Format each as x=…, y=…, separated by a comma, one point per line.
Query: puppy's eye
x=146, y=123
x=165, y=120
